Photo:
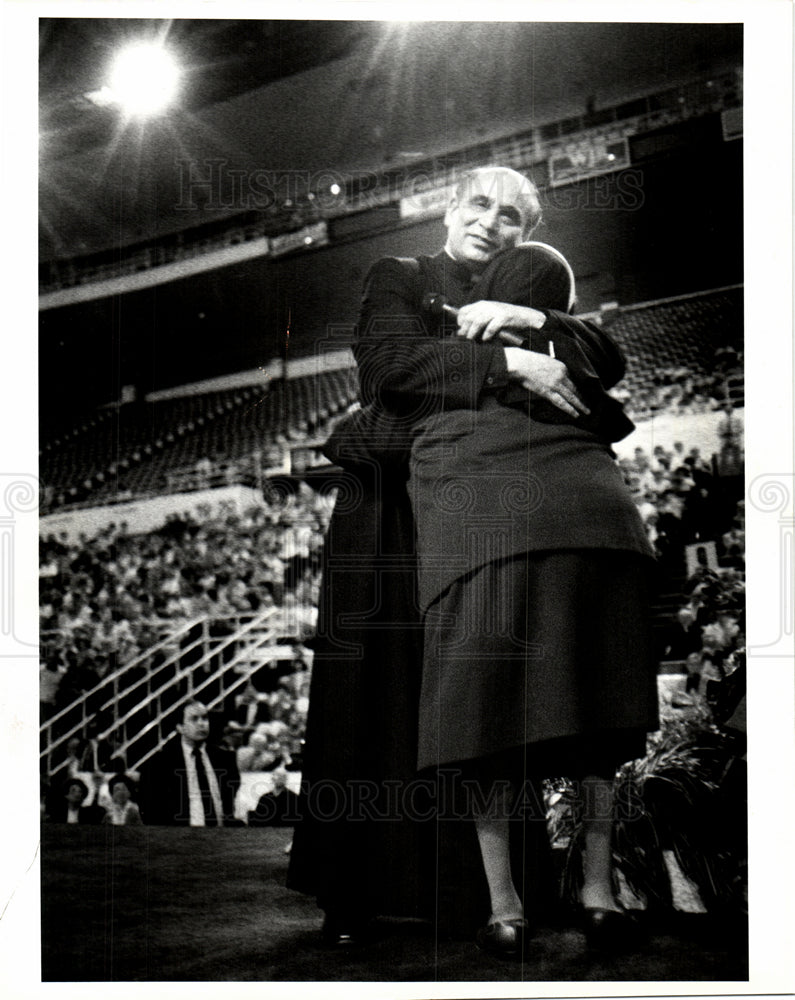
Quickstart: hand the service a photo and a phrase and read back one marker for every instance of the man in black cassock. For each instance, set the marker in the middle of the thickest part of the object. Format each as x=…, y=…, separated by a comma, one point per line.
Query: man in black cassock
x=479, y=460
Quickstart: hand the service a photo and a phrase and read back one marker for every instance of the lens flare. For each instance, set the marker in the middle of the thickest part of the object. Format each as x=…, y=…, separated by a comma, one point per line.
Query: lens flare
x=144, y=79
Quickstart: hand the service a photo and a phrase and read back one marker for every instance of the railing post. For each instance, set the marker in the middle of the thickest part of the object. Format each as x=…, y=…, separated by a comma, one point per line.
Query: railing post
x=190, y=672
x=48, y=744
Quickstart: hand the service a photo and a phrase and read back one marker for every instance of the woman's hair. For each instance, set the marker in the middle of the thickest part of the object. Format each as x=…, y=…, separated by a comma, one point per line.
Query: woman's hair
x=120, y=779
x=75, y=781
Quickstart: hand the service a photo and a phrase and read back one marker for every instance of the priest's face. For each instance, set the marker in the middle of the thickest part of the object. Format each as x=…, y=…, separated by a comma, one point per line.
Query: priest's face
x=489, y=213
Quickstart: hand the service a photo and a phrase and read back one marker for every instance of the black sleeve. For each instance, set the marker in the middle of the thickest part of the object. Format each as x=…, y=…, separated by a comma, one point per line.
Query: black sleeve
x=400, y=364
x=594, y=364
x=585, y=349
x=536, y=275
x=162, y=791
x=228, y=776
x=149, y=802
x=539, y=277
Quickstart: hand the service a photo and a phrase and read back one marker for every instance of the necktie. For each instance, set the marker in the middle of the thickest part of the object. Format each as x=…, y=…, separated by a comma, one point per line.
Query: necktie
x=210, y=816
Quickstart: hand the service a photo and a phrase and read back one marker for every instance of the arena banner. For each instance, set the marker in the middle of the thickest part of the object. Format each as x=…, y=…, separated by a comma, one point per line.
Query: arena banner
x=148, y=274
x=731, y=123
x=148, y=514
x=426, y=204
x=587, y=157
x=315, y=235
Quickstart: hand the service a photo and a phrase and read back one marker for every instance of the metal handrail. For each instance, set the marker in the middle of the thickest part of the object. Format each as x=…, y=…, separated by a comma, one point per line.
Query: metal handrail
x=196, y=690
x=136, y=661
x=213, y=647
x=223, y=642
x=174, y=658
x=233, y=686
x=113, y=679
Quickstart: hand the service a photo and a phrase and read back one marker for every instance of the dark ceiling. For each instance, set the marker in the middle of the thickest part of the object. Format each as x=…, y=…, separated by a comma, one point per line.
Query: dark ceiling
x=222, y=58
x=311, y=96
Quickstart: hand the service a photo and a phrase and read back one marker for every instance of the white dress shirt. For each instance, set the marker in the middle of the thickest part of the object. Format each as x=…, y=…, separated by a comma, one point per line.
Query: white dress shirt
x=196, y=805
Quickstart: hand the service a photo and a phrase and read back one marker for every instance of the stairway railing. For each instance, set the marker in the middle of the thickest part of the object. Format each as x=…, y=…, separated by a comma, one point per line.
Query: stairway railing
x=224, y=668
x=140, y=702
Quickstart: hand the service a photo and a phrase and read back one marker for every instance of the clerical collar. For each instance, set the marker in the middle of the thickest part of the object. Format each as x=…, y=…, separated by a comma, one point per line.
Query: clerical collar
x=459, y=270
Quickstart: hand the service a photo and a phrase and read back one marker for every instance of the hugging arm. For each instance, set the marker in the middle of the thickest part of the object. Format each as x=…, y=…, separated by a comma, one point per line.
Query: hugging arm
x=528, y=292
x=400, y=364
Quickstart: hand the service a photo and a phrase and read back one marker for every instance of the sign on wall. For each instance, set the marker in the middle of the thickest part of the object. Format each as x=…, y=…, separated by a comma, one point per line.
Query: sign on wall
x=587, y=158
x=426, y=204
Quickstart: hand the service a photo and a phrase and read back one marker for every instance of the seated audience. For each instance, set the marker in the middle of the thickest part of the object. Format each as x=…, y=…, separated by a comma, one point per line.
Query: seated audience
x=121, y=811
x=107, y=599
x=279, y=806
x=68, y=806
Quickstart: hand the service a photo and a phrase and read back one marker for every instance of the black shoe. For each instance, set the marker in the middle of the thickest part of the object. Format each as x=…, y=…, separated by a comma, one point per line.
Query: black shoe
x=610, y=930
x=345, y=931
x=504, y=938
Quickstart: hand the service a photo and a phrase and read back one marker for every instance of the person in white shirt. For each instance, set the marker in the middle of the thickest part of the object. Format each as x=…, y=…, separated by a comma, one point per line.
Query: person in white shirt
x=121, y=810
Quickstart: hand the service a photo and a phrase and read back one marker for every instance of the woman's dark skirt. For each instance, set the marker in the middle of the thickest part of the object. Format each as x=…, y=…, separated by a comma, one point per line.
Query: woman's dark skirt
x=549, y=651
x=374, y=836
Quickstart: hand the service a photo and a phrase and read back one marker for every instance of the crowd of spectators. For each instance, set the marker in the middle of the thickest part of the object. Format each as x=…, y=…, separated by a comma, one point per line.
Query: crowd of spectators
x=267, y=730
x=686, y=500
x=710, y=627
x=106, y=599
x=90, y=798
x=664, y=486
x=681, y=497
x=682, y=389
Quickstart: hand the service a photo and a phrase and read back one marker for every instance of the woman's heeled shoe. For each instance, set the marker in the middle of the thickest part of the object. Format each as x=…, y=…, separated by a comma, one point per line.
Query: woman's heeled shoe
x=609, y=930
x=504, y=938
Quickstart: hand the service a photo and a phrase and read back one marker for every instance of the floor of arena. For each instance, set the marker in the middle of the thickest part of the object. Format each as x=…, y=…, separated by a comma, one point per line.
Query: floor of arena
x=164, y=905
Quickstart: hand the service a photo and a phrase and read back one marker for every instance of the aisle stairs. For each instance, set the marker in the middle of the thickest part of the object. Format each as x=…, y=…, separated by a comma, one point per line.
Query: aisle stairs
x=139, y=704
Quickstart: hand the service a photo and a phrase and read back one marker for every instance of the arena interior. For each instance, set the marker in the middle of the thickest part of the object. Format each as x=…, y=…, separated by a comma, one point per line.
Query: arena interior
x=199, y=279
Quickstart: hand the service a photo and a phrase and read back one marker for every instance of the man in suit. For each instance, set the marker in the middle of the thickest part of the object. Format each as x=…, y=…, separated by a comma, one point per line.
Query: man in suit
x=189, y=783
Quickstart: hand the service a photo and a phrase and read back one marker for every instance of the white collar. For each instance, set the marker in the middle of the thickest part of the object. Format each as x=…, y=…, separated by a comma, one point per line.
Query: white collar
x=188, y=748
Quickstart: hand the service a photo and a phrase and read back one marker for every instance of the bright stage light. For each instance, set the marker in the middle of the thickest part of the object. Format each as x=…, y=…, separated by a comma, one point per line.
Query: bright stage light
x=144, y=79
